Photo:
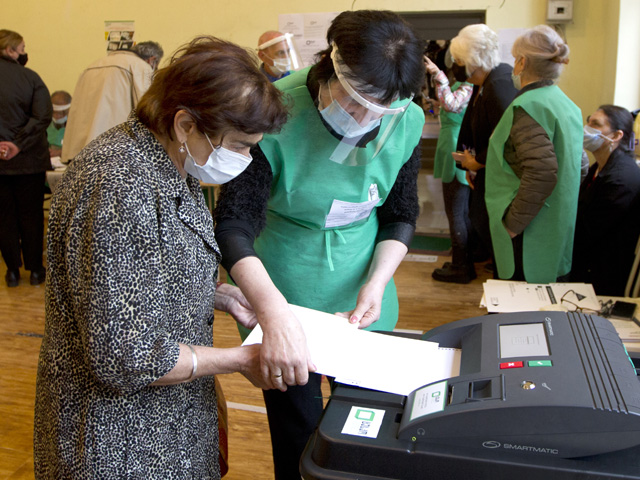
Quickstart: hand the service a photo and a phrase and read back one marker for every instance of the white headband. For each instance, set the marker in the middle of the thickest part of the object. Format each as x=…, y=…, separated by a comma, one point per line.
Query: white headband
x=341, y=68
x=61, y=108
x=273, y=41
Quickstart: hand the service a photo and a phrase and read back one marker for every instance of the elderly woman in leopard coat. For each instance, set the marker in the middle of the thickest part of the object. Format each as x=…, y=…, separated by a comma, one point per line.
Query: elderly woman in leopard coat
x=125, y=384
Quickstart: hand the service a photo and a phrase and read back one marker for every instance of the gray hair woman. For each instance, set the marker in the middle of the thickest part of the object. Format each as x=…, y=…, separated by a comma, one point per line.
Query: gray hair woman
x=476, y=48
x=126, y=384
x=533, y=166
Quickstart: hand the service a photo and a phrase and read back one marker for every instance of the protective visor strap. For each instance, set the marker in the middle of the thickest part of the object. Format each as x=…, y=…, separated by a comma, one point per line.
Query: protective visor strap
x=374, y=107
x=273, y=41
x=61, y=108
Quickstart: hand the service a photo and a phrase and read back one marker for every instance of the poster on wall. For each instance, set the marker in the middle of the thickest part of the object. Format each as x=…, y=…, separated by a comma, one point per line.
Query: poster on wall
x=506, y=37
x=119, y=34
x=309, y=31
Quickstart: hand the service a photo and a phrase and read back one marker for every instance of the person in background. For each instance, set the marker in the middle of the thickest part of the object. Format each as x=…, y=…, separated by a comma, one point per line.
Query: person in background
x=455, y=188
x=106, y=92
x=608, y=223
x=125, y=385
x=26, y=112
x=332, y=200
x=477, y=49
x=278, y=54
x=533, y=166
x=61, y=102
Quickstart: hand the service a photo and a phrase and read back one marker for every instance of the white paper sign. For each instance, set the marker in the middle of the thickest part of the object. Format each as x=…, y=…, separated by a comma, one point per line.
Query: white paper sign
x=363, y=422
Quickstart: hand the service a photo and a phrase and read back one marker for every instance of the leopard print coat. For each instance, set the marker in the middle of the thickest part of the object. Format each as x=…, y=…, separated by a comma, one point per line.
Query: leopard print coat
x=132, y=268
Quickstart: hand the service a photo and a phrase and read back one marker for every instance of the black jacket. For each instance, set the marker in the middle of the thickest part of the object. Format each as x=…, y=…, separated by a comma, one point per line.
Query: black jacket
x=26, y=113
x=486, y=106
x=608, y=225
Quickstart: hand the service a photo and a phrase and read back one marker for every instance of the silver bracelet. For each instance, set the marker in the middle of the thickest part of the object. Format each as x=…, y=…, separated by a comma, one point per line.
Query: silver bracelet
x=194, y=361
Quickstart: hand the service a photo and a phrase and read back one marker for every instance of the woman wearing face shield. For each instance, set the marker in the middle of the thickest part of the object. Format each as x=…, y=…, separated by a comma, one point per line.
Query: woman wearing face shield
x=608, y=223
x=126, y=384
x=533, y=166
x=333, y=202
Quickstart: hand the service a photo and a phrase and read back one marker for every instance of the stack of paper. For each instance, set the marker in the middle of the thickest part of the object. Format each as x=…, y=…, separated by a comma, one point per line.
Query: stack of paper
x=367, y=359
x=502, y=296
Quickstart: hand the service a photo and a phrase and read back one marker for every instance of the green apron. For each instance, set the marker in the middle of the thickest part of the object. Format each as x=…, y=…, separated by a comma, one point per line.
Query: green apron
x=314, y=266
x=55, y=135
x=444, y=166
x=548, y=239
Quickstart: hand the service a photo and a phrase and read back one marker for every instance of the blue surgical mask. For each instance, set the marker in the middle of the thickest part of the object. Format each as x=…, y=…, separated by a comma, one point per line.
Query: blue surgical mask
x=222, y=166
x=343, y=123
x=593, y=138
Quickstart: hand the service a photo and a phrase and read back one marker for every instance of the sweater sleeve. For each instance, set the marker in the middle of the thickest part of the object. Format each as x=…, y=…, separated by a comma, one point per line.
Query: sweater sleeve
x=452, y=101
x=241, y=210
x=398, y=214
x=537, y=167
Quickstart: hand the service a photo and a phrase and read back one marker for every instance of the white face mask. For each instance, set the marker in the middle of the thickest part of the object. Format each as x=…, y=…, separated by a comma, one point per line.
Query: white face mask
x=343, y=123
x=517, y=81
x=60, y=121
x=222, y=165
x=281, y=66
x=593, y=138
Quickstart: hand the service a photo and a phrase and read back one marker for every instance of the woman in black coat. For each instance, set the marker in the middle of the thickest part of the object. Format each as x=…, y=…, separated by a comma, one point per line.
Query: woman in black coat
x=24, y=159
x=608, y=222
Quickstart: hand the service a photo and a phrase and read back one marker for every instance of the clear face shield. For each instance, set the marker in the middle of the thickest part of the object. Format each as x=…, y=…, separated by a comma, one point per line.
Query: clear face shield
x=284, y=54
x=354, y=115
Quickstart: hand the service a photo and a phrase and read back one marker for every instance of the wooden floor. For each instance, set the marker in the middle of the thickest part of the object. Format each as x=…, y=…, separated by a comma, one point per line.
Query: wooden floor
x=424, y=304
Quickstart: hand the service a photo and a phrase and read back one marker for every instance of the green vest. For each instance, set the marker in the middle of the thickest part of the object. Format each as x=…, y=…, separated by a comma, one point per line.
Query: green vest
x=444, y=166
x=548, y=239
x=313, y=266
x=55, y=135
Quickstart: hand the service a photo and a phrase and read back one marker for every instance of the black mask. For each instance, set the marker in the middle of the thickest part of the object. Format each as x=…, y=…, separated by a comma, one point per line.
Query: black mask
x=22, y=59
x=459, y=73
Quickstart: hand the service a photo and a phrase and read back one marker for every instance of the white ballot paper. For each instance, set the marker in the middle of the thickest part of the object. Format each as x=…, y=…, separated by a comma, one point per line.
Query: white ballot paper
x=368, y=359
x=502, y=296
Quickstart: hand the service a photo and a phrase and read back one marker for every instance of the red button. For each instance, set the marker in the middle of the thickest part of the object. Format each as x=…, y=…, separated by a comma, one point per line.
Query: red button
x=512, y=365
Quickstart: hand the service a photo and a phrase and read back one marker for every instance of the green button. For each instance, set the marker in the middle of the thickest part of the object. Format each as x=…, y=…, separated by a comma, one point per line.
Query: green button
x=540, y=363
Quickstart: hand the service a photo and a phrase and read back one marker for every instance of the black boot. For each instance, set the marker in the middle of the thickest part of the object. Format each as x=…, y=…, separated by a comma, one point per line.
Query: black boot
x=38, y=276
x=454, y=274
x=12, y=278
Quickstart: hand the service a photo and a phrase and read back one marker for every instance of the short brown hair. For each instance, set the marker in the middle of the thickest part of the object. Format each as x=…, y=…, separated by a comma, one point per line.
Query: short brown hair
x=9, y=38
x=219, y=84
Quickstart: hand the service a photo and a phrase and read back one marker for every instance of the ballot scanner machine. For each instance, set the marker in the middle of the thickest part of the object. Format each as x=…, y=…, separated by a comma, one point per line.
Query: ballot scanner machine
x=550, y=395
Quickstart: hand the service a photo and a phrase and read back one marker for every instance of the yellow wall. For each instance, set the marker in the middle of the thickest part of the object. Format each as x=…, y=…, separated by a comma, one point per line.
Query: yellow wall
x=64, y=36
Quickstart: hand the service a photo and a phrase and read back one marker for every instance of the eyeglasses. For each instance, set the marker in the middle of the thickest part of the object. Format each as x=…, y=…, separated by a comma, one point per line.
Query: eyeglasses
x=574, y=307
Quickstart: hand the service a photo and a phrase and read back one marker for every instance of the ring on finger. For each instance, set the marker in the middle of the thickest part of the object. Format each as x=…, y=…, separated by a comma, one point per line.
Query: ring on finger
x=277, y=376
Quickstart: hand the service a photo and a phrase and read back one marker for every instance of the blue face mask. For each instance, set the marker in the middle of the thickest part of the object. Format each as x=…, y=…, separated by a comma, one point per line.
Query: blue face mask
x=343, y=123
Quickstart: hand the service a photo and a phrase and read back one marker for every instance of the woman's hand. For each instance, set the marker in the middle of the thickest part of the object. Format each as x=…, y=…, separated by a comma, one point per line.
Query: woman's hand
x=469, y=162
x=251, y=368
x=471, y=178
x=284, y=357
x=431, y=67
x=8, y=150
x=368, y=305
x=230, y=299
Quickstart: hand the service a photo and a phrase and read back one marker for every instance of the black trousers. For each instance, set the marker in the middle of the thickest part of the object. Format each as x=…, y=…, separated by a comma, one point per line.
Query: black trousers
x=22, y=220
x=480, y=234
x=456, y=206
x=293, y=416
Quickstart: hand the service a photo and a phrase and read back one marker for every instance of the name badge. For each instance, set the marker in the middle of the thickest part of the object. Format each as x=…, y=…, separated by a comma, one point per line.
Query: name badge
x=345, y=213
